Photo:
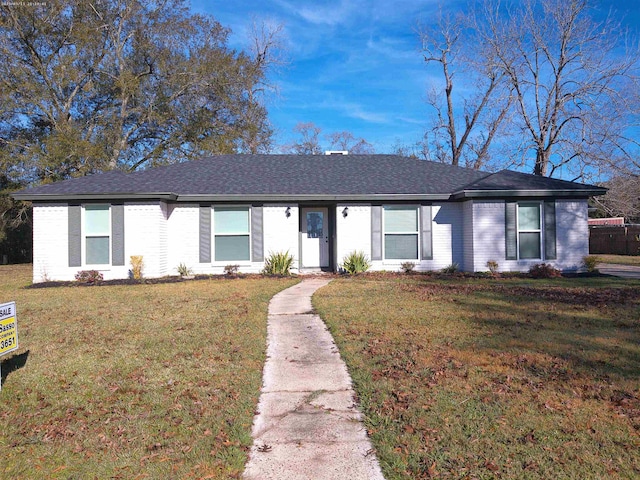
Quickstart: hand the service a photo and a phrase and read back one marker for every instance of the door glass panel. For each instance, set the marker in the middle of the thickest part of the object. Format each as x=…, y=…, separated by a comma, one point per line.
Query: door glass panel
x=314, y=224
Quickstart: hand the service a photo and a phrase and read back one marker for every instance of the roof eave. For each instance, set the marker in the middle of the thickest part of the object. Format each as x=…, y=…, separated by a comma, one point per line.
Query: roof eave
x=311, y=197
x=582, y=193
x=85, y=197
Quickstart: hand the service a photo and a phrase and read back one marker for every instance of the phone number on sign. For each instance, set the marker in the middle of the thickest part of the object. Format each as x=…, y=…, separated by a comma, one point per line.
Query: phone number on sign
x=9, y=342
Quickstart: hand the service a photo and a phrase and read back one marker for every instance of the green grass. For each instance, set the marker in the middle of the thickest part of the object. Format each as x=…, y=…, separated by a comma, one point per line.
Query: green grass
x=620, y=259
x=506, y=378
x=136, y=381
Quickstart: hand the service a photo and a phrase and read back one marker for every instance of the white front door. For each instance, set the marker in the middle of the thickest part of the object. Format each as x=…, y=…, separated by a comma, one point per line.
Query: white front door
x=315, y=237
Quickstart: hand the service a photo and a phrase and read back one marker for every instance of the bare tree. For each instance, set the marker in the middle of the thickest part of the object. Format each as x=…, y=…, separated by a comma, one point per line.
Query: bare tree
x=464, y=127
x=308, y=142
x=571, y=78
x=622, y=198
x=346, y=141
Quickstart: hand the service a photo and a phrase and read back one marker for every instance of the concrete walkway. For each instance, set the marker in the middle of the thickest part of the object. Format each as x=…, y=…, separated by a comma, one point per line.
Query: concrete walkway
x=624, y=271
x=307, y=425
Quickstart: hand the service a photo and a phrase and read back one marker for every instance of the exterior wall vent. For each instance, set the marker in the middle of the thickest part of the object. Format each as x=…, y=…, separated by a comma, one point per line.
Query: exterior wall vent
x=336, y=152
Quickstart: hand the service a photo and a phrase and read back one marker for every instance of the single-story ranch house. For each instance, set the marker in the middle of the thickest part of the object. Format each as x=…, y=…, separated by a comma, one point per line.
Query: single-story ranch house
x=237, y=209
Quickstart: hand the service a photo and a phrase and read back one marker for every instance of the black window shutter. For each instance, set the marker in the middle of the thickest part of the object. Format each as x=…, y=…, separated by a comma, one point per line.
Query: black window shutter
x=257, y=248
x=426, y=232
x=117, y=234
x=376, y=232
x=75, y=235
x=205, y=233
x=550, y=230
x=511, y=233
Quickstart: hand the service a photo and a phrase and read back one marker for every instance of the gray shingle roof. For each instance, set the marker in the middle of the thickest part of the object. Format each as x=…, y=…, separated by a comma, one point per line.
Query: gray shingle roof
x=228, y=177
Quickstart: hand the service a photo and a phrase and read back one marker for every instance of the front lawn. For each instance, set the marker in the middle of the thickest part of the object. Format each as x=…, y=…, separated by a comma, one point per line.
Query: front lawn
x=493, y=378
x=132, y=381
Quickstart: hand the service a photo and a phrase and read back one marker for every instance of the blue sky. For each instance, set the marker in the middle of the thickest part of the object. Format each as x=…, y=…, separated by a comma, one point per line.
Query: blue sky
x=353, y=64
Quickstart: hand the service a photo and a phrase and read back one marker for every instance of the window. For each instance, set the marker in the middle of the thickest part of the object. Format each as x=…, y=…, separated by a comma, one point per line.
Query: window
x=401, y=233
x=97, y=228
x=529, y=231
x=231, y=234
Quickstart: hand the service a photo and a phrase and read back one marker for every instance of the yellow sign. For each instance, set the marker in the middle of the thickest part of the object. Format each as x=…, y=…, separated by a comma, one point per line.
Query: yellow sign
x=8, y=328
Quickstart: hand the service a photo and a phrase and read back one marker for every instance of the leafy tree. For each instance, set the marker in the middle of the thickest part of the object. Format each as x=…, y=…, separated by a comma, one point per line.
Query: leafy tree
x=15, y=225
x=95, y=85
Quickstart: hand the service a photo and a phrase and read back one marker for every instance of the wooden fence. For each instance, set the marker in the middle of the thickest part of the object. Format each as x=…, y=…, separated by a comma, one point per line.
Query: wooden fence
x=616, y=240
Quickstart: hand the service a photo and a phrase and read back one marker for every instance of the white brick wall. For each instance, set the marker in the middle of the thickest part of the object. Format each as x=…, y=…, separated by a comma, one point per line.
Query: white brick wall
x=469, y=233
x=489, y=236
x=353, y=232
x=447, y=237
x=572, y=236
x=467, y=237
x=145, y=234
x=572, y=233
x=50, y=243
x=183, y=235
x=280, y=233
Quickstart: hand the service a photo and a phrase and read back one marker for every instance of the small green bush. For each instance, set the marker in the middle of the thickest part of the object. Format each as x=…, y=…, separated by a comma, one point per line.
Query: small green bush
x=89, y=276
x=278, y=263
x=544, y=270
x=407, y=267
x=590, y=262
x=493, y=267
x=453, y=268
x=356, y=262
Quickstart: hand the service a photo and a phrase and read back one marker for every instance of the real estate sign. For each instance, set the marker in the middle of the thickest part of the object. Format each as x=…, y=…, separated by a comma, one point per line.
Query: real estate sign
x=8, y=328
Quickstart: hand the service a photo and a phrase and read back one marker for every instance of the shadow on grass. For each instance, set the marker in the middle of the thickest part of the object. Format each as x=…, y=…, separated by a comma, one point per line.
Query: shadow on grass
x=13, y=363
x=570, y=325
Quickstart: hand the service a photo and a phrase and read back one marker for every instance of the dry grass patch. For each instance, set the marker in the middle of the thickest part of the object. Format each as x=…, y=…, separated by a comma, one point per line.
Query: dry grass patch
x=139, y=381
x=620, y=259
x=484, y=379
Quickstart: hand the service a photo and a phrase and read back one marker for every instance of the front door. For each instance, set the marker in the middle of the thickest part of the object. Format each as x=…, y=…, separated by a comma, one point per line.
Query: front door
x=315, y=237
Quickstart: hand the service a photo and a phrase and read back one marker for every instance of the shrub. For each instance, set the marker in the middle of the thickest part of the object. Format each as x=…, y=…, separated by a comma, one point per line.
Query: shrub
x=278, y=263
x=137, y=264
x=590, y=262
x=356, y=262
x=231, y=269
x=544, y=270
x=407, y=267
x=453, y=268
x=493, y=267
x=89, y=276
x=183, y=270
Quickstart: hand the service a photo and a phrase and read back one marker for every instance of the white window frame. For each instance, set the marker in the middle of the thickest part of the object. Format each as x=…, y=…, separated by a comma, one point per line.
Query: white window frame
x=84, y=236
x=540, y=230
x=228, y=234
x=384, y=235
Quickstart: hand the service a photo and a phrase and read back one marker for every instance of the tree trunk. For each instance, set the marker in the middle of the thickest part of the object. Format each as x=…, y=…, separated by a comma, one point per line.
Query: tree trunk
x=542, y=161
